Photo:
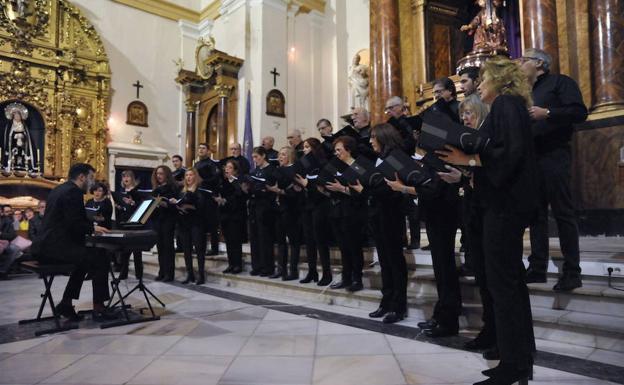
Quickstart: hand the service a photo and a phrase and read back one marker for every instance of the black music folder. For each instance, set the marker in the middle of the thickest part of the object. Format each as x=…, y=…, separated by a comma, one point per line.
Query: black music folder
x=332, y=172
x=409, y=171
x=438, y=130
x=363, y=170
x=347, y=131
x=434, y=162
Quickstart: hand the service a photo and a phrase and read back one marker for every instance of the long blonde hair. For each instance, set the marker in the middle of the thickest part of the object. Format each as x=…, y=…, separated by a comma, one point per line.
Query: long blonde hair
x=507, y=78
x=194, y=186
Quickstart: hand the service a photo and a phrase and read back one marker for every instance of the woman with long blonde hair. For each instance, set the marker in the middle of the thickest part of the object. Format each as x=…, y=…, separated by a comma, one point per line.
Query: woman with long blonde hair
x=506, y=186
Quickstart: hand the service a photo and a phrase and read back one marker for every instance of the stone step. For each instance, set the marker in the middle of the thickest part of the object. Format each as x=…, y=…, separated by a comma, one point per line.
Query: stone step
x=590, y=317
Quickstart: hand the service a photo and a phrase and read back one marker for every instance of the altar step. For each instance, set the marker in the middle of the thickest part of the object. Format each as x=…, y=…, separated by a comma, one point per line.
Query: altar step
x=588, y=318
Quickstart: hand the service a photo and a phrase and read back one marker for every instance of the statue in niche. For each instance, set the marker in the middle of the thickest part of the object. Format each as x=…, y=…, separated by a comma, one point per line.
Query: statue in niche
x=18, y=153
x=358, y=83
x=487, y=27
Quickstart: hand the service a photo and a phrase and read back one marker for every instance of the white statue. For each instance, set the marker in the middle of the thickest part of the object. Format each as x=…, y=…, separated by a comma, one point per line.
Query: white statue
x=358, y=84
x=18, y=152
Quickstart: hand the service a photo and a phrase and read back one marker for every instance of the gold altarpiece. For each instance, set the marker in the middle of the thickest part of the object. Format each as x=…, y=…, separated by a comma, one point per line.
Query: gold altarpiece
x=211, y=98
x=52, y=59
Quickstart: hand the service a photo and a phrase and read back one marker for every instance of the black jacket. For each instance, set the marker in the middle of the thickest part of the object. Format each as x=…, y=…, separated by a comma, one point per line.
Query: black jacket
x=124, y=210
x=210, y=173
x=7, y=230
x=561, y=95
x=243, y=164
x=168, y=211
x=507, y=179
x=65, y=223
x=103, y=209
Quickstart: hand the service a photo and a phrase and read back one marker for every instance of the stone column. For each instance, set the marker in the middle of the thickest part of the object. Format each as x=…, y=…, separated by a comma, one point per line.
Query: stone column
x=539, y=20
x=223, y=91
x=607, y=34
x=385, y=48
x=191, y=112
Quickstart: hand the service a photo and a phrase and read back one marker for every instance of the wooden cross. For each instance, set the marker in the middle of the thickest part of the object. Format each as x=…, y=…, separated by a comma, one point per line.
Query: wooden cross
x=275, y=74
x=138, y=86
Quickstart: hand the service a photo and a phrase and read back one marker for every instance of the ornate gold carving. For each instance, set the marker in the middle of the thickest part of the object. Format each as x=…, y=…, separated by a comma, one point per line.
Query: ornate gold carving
x=25, y=20
x=223, y=90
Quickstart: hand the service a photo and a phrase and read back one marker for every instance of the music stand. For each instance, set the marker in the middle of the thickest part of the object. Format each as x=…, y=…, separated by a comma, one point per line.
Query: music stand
x=138, y=219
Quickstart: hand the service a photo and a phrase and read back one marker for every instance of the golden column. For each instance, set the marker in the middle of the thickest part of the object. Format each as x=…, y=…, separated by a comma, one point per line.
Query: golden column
x=224, y=91
x=385, y=48
x=191, y=112
x=607, y=35
x=539, y=20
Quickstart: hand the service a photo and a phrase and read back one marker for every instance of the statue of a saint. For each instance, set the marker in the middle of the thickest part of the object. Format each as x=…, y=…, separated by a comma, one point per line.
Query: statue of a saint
x=358, y=84
x=18, y=150
x=487, y=27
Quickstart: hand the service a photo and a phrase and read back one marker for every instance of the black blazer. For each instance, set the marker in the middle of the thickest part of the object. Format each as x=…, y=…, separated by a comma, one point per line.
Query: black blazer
x=65, y=223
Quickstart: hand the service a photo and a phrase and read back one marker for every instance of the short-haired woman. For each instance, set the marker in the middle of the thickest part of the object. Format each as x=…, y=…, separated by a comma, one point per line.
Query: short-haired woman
x=232, y=203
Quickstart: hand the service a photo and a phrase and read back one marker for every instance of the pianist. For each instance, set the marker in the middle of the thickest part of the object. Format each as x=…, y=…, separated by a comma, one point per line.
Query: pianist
x=62, y=241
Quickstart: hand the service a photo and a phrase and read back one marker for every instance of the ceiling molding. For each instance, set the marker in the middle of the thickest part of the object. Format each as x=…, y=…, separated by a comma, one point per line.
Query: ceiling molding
x=212, y=11
x=306, y=6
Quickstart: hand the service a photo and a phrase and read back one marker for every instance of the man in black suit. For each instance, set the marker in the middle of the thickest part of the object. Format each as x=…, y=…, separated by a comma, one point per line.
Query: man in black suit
x=62, y=241
x=235, y=154
x=271, y=154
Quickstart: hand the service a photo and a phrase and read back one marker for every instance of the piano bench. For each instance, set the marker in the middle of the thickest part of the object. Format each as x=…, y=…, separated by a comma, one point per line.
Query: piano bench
x=47, y=272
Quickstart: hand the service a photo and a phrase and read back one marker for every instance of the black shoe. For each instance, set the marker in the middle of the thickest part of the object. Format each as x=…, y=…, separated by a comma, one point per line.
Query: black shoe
x=201, y=280
x=236, y=270
x=426, y=248
x=481, y=342
x=189, y=278
x=413, y=246
x=393, y=317
x=326, y=280
x=508, y=374
x=159, y=278
x=255, y=272
x=123, y=275
x=535, y=276
x=311, y=276
x=228, y=270
x=441, y=331
x=267, y=273
x=465, y=271
x=355, y=286
x=68, y=312
x=429, y=324
x=291, y=277
x=340, y=285
x=380, y=312
x=491, y=354
x=103, y=316
x=4, y=277
x=168, y=279
x=277, y=274
x=568, y=283
x=497, y=369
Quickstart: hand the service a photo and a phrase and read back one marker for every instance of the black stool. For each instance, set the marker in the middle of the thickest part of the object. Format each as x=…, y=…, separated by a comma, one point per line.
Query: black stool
x=47, y=273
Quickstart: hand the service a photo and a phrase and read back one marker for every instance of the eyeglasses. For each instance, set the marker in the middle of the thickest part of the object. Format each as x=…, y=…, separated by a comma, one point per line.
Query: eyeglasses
x=289, y=137
x=525, y=59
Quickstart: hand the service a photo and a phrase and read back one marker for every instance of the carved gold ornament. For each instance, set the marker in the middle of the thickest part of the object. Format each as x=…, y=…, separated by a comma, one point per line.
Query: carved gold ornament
x=205, y=48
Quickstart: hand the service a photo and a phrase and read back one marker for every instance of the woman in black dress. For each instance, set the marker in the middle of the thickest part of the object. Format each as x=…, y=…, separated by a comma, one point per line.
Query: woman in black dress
x=100, y=206
x=126, y=201
x=163, y=220
x=190, y=205
x=506, y=184
x=233, y=206
x=315, y=220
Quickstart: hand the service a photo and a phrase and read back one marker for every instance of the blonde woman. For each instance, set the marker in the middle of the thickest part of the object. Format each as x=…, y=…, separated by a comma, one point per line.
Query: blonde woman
x=126, y=201
x=506, y=184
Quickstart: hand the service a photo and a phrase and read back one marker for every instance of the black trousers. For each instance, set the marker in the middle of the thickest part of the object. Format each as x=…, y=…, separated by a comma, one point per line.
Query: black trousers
x=194, y=236
x=165, y=233
x=88, y=261
x=391, y=228
x=411, y=211
x=289, y=234
x=554, y=169
x=441, y=225
x=234, y=232
x=348, y=232
x=137, y=257
x=316, y=229
x=261, y=237
x=473, y=222
x=502, y=245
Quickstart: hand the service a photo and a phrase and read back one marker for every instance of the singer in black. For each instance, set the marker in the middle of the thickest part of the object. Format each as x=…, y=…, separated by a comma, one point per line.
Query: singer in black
x=289, y=202
x=262, y=215
x=126, y=201
x=391, y=226
x=235, y=154
x=211, y=177
x=190, y=206
x=164, y=219
x=233, y=209
x=100, y=206
x=348, y=217
x=507, y=184
x=315, y=219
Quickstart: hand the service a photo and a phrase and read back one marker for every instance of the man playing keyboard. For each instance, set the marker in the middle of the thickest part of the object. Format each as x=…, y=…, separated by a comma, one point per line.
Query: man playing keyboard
x=62, y=241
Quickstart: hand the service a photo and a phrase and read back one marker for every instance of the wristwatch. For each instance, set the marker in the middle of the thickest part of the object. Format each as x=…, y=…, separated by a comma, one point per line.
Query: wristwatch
x=472, y=162
x=547, y=113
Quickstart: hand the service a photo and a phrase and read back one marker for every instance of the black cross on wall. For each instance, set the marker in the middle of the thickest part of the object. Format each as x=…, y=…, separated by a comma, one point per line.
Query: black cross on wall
x=138, y=86
x=275, y=75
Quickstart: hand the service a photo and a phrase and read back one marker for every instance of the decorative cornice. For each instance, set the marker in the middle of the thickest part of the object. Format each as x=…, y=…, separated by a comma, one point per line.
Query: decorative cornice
x=310, y=5
x=212, y=11
x=162, y=8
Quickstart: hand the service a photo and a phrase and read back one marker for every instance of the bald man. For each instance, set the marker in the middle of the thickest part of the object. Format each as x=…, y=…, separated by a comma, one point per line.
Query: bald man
x=235, y=150
x=267, y=143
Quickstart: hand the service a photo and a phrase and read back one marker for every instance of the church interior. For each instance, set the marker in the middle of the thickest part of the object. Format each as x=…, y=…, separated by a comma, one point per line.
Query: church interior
x=130, y=86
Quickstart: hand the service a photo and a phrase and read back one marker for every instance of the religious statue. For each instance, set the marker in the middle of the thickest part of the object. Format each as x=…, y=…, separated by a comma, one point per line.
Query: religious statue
x=18, y=150
x=487, y=27
x=358, y=83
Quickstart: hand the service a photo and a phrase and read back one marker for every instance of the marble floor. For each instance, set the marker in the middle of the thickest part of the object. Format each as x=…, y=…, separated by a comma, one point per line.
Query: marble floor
x=205, y=339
